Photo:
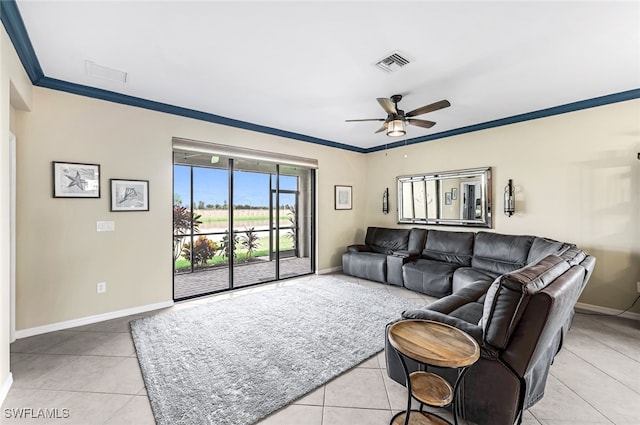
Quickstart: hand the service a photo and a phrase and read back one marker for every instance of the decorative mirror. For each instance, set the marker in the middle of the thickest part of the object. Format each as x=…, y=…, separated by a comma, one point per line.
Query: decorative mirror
x=453, y=198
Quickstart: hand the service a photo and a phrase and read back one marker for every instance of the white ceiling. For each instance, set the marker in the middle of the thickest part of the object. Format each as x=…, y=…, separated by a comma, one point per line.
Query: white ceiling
x=305, y=67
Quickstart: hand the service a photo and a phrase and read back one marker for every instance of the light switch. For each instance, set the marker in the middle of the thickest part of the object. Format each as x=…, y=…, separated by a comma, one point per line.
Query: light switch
x=105, y=226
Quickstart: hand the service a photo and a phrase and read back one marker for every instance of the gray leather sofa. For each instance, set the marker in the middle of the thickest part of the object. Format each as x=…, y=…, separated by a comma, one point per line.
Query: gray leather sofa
x=515, y=295
x=369, y=261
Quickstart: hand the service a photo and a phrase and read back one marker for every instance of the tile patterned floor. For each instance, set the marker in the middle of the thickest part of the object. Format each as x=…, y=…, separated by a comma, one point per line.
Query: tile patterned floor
x=92, y=371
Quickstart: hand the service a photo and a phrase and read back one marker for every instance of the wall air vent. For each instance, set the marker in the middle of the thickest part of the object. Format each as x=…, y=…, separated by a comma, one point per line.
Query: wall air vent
x=392, y=62
x=95, y=70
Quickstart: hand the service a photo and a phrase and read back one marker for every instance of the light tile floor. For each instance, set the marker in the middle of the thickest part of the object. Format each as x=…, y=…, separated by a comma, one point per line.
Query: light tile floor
x=92, y=371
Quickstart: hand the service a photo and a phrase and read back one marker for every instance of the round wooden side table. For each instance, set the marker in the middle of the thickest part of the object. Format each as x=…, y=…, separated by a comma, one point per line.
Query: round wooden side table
x=432, y=344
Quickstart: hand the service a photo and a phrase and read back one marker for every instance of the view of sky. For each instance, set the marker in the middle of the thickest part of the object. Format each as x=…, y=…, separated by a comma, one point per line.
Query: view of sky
x=211, y=186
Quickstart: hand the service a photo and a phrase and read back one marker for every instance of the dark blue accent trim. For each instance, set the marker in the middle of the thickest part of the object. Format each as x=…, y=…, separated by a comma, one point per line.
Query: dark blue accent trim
x=556, y=110
x=52, y=83
x=13, y=23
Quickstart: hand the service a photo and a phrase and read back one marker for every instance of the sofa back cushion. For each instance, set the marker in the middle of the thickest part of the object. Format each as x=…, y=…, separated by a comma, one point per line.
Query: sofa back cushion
x=417, y=238
x=500, y=253
x=450, y=247
x=541, y=247
x=508, y=296
x=385, y=241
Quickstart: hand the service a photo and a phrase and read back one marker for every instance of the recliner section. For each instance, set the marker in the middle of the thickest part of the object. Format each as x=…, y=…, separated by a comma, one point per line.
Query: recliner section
x=514, y=294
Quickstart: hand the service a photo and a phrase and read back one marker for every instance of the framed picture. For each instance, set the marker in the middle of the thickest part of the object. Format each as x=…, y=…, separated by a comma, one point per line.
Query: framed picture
x=75, y=180
x=447, y=198
x=454, y=193
x=343, y=197
x=129, y=195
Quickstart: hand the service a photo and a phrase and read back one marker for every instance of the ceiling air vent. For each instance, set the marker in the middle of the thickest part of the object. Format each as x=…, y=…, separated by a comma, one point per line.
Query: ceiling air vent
x=95, y=70
x=393, y=62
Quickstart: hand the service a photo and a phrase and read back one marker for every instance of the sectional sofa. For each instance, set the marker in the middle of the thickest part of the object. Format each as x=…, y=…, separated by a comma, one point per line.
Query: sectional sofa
x=514, y=294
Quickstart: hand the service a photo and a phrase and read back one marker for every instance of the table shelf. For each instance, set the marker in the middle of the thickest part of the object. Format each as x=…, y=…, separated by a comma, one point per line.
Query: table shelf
x=419, y=418
x=431, y=389
x=433, y=344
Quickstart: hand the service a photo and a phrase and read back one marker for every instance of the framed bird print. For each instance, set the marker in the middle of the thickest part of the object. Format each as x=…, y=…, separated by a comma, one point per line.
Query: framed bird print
x=129, y=195
x=74, y=180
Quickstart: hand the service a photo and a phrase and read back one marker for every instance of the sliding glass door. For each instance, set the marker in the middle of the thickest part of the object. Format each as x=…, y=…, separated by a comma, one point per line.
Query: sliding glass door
x=239, y=222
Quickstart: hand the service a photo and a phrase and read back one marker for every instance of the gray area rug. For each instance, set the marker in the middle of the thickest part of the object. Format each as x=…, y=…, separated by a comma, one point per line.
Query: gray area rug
x=237, y=360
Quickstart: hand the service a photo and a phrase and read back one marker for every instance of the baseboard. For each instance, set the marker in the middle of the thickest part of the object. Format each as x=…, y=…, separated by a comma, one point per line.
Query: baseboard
x=24, y=333
x=6, y=385
x=330, y=270
x=607, y=311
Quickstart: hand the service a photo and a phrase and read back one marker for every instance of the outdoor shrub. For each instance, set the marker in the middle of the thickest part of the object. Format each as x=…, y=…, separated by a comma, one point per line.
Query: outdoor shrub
x=250, y=241
x=292, y=234
x=203, y=250
x=225, y=246
x=182, y=219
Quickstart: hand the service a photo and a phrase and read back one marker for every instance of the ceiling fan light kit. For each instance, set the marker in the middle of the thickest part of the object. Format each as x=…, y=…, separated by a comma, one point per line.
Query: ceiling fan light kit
x=395, y=128
x=396, y=119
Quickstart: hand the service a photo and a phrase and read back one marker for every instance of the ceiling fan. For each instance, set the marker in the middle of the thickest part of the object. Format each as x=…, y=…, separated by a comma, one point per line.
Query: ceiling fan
x=397, y=119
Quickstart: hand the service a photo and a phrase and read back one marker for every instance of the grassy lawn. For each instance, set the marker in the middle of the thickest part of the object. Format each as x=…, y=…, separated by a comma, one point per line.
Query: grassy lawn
x=241, y=253
x=240, y=218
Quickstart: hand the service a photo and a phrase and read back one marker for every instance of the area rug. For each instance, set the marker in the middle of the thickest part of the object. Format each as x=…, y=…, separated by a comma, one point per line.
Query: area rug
x=236, y=360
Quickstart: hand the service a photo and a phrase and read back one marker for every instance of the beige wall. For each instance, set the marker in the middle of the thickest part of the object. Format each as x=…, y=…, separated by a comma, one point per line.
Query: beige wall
x=577, y=179
x=60, y=255
x=15, y=92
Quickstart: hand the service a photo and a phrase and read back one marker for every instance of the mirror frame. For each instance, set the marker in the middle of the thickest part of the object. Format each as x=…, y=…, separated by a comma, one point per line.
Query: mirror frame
x=484, y=173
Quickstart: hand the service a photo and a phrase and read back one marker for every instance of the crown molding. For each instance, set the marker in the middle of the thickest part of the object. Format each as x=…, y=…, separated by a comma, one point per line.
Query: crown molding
x=542, y=113
x=13, y=23
x=60, y=85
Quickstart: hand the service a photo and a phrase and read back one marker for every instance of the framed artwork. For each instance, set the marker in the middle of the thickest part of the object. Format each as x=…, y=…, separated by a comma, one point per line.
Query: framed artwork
x=129, y=195
x=343, y=197
x=454, y=193
x=447, y=198
x=75, y=180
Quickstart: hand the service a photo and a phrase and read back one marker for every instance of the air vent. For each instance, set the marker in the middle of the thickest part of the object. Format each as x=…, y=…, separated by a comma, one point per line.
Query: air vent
x=393, y=62
x=95, y=70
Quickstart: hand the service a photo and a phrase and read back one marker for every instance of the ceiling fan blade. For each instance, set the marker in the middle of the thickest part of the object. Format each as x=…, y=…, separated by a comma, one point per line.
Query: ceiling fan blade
x=428, y=108
x=387, y=105
x=421, y=123
x=383, y=128
x=366, y=119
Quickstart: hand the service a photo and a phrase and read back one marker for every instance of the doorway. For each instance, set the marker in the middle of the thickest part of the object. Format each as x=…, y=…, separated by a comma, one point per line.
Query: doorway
x=12, y=237
x=239, y=222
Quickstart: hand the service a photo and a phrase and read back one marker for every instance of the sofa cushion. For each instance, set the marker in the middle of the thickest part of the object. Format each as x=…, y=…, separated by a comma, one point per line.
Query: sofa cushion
x=449, y=247
x=429, y=277
x=367, y=265
x=541, y=247
x=465, y=276
x=500, y=253
x=385, y=241
x=417, y=238
x=574, y=255
x=507, y=297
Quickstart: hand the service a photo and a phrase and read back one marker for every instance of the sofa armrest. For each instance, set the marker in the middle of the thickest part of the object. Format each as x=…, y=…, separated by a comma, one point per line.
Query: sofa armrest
x=473, y=330
x=358, y=248
x=411, y=254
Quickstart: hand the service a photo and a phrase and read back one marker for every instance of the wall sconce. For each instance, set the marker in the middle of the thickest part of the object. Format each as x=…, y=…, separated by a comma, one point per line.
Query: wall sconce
x=509, y=199
x=385, y=201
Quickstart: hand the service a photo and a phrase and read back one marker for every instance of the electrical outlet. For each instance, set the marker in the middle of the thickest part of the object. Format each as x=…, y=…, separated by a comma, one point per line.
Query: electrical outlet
x=101, y=287
x=638, y=287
